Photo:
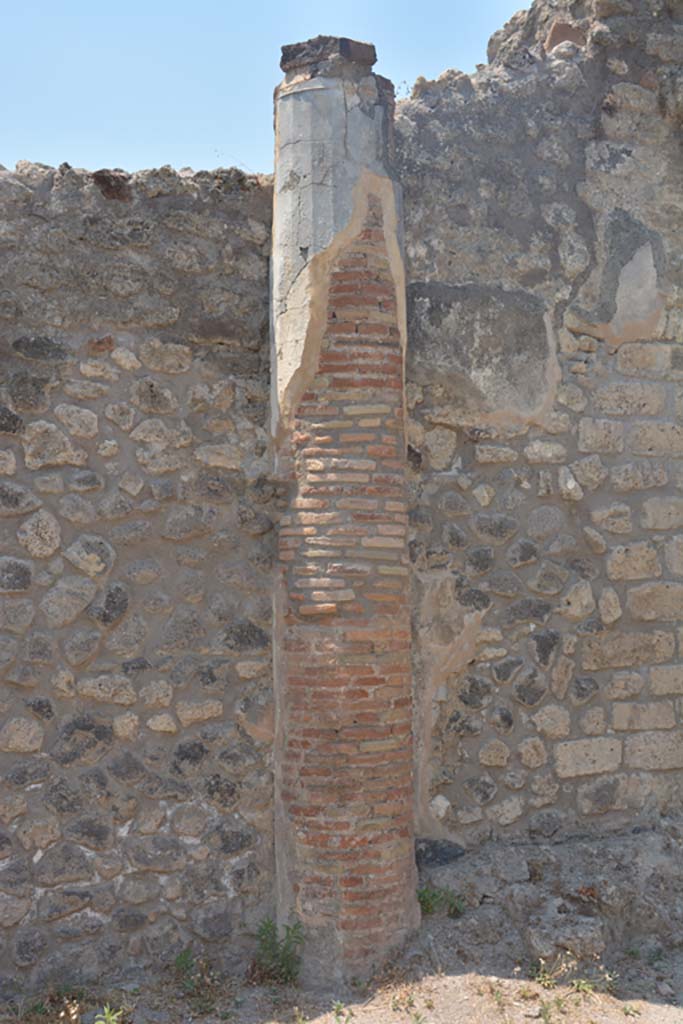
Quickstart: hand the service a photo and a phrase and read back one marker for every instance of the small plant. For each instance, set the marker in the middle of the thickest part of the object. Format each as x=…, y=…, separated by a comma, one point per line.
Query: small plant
x=545, y=1013
x=342, y=1013
x=277, y=960
x=540, y=973
x=583, y=986
x=108, y=1016
x=185, y=968
x=630, y=1011
x=197, y=981
x=432, y=898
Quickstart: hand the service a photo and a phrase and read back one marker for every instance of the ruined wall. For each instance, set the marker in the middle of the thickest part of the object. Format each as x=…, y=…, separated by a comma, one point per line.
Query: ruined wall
x=543, y=383
x=544, y=216
x=135, y=557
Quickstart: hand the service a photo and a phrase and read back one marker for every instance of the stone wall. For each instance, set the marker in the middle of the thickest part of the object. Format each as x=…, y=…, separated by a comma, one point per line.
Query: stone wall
x=544, y=215
x=136, y=545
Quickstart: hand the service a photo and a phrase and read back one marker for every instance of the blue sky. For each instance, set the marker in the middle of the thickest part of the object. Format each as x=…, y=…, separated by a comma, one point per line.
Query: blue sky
x=137, y=85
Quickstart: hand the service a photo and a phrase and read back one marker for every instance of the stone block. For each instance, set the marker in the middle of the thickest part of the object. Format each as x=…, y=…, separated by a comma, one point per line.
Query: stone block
x=673, y=555
x=654, y=751
x=597, y=435
x=633, y=717
x=637, y=561
x=649, y=438
x=644, y=359
x=626, y=648
x=587, y=757
x=656, y=601
x=666, y=679
x=630, y=398
x=663, y=513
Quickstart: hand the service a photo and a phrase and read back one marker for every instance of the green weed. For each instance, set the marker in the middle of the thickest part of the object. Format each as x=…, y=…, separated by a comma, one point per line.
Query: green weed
x=277, y=960
x=108, y=1016
x=432, y=898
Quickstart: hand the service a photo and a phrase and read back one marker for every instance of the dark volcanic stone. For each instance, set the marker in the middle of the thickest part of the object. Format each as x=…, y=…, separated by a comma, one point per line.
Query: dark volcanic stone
x=528, y=609
x=583, y=689
x=82, y=740
x=475, y=691
x=432, y=853
x=41, y=349
x=28, y=391
x=543, y=645
x=15, y=575
x=530, y=690
x=483, y=789
x=220, y=790
x=453, y=537
x=505, y=670
x=496, y=526
x=470, y=597
x=214, y=920
x=28, y=947
x=62, y=863
x=464, y=725
x=502, y=719
x=10, y=423
x=522, y=552
x=91, y=832
x=16, y=500
x=245, y=636
x=110, y=605
x=41, y=707
x=479, y=560
x=63, y=798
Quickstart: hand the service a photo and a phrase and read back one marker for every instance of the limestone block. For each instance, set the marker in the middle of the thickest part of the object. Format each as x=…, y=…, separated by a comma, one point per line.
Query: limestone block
x=652, y=601
x=629, y=717
x=654, y=751
x=587, y=757
x=637, y=561
x=627, y=648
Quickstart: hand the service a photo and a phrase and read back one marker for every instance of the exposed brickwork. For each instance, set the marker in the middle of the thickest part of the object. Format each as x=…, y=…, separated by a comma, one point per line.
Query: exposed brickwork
x=347, y=763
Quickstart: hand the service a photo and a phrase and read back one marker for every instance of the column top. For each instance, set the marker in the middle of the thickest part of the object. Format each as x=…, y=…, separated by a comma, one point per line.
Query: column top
x=327, y=48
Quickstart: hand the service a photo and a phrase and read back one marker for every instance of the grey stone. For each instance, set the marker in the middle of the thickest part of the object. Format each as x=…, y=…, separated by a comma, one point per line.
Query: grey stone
x=91, y=554
x=110, y=605
x=28, y=392
x=10, y=422
x=29, y=945
x=41, y=349
x=81, y=646
x=15, y=575
x=495, y=527
x=16, y=500
x=61, y=864
x=214, y=920
x=244, y=636
x=66, y=600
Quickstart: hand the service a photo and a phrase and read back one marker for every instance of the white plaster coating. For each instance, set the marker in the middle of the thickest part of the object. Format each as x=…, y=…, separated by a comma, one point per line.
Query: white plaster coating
x=330, y=132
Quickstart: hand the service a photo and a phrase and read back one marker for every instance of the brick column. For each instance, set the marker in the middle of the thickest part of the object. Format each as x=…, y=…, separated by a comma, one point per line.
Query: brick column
x=344, y=783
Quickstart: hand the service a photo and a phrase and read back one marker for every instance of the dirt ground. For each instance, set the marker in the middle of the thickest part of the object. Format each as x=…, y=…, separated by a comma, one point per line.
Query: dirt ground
x=584, y=931
x=430, y=984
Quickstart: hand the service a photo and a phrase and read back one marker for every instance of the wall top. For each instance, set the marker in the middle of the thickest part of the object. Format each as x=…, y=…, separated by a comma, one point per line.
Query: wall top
x=325, y=49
